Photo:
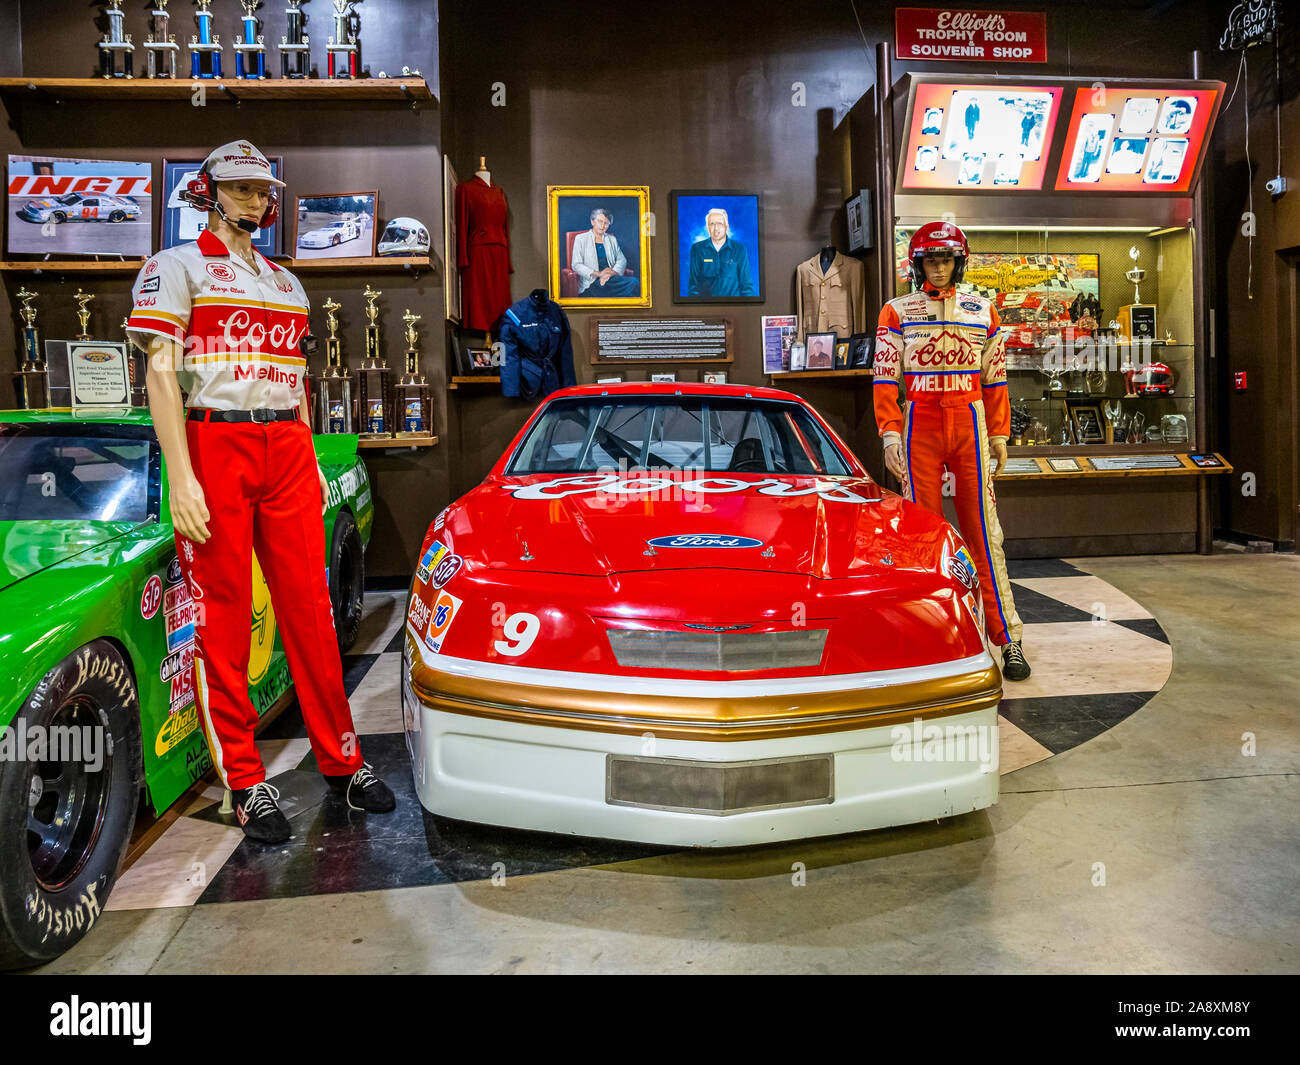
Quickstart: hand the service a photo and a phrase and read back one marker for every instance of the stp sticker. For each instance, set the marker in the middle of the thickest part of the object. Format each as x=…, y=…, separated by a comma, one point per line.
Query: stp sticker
x=447, y=569
x=151, y=597
x=221, y=271
x=444, y=613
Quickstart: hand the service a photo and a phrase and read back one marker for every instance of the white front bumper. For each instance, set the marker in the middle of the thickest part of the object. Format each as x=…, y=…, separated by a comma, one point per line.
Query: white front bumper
x=554, y=779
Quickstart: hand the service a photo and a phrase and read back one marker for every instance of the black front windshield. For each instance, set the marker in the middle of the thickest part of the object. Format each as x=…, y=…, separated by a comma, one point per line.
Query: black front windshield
x=59, y=477
x=709, y=433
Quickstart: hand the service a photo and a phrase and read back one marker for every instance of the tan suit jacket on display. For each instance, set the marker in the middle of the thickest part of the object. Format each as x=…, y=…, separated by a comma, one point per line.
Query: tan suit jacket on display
x=835, y=301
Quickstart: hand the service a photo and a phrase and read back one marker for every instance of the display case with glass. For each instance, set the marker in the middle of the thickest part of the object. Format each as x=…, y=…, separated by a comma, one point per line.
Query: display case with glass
x=1100, y=325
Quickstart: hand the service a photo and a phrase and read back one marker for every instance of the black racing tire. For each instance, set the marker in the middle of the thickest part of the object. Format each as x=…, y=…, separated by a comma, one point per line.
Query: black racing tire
x=336, y=241
x=117, y=216
x=347, y=580
x=59, y=854
x=58, y=216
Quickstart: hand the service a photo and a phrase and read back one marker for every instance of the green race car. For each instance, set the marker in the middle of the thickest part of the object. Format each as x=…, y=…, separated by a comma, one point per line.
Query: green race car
x=96, y=641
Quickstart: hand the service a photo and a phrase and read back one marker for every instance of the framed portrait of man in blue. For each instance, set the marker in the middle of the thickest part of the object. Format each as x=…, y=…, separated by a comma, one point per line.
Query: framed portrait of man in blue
x=599, y=245
x=717, y=246
x=181, y=223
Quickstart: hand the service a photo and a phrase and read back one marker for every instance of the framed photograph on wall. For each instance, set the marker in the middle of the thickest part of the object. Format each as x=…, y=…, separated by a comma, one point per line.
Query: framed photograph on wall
x=598, y=250
x=181, y=223
x=821, y=351
x=717, y=246
x=335, y=225
x=857, y=213
x=63, y=207
x=862, y=349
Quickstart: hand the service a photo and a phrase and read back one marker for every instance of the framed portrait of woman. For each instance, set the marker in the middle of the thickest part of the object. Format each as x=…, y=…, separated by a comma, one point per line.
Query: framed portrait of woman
x=598, y=245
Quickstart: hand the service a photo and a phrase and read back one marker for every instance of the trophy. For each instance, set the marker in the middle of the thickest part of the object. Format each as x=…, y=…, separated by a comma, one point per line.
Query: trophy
x=334, y=390
x=374, y=403
x=135, y=368
x=413, y=390
x=250, y=52
x=295, y=45
x=205, y=46
x=83, y=314
x=115, y=41
x=160, y=44
x=1111, y=410
x=32, y=381
x=1137, y=319
x=345, y=42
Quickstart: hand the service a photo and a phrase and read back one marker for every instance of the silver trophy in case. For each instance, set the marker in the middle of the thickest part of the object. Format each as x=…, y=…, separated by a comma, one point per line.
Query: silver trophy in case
x=115, y=43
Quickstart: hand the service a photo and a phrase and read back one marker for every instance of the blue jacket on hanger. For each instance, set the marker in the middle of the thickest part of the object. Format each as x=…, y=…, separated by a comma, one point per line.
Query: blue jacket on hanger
x=538, y=357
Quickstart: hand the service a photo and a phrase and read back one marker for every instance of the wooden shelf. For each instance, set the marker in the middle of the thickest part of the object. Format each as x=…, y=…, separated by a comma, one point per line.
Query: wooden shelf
x=400, y=90
x=389, y=443
x=456, y=382
x=61, y=266
x=1045, y=472
x=821, y=373
x=385, y=264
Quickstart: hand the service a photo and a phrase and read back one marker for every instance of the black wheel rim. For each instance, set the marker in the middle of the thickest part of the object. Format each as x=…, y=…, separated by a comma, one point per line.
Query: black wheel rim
x=349, y=590
x=66, y=802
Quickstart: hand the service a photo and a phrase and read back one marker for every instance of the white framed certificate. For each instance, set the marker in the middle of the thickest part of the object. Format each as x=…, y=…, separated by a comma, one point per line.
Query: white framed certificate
x=98, y=375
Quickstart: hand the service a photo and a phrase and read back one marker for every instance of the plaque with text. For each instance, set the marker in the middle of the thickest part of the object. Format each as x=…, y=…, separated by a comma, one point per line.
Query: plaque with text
x=1136, y=462
x=1016, y=467
x=98, y=374
x=660, y=340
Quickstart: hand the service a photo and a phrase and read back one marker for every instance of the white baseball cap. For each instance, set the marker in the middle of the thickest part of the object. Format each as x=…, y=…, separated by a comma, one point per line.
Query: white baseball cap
x=239, y=161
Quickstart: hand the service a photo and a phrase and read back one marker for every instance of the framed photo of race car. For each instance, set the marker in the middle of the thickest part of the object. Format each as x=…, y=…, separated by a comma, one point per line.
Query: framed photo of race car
x=337, y=225
x=181, y=223
x=65, y=207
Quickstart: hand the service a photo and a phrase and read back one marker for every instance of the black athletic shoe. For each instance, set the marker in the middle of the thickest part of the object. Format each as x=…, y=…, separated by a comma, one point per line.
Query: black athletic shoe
x=1014, y=664
x=365, y=791
x=259, y=815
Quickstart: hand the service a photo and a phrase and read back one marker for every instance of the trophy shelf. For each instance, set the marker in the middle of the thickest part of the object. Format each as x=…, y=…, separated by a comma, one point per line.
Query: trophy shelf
x=1185, y=468
x=386, y=264
x=456, y=382
x=388, y=443
x=787, y=374
x=399, y=90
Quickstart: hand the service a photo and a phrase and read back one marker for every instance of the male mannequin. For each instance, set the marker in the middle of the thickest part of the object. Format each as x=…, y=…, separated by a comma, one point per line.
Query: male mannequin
x=943, y=352
x=225, y=324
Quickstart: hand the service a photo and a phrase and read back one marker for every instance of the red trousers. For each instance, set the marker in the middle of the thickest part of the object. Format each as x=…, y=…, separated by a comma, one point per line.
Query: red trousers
x=260, y=484
x=941, y=432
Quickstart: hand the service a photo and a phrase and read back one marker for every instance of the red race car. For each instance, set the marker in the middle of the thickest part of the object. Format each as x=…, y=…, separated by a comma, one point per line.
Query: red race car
x=684, y=614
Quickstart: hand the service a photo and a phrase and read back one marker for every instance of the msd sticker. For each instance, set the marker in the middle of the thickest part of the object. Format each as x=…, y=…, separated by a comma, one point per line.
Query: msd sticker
x=429, y=560
x=151, y=598
x=444, y=613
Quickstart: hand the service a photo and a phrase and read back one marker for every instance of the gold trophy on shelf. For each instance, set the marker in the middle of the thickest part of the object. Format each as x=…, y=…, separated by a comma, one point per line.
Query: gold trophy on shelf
x=334, y=390
x=32, y=381
x=413, y=390
x=374, y=397
x=83, y=314
x=1137, y=320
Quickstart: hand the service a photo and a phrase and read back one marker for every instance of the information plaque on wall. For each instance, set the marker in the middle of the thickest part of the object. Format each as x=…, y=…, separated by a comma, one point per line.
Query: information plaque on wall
x=660, y=340
x=1136, y=462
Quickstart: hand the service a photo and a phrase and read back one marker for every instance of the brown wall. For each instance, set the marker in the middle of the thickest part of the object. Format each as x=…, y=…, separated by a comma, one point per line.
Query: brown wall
x=1256, y=319
x=333, y=147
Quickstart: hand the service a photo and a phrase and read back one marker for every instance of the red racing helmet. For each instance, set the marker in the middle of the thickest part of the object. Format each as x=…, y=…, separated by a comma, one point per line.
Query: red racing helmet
x=934, y=236
x=1153, y=379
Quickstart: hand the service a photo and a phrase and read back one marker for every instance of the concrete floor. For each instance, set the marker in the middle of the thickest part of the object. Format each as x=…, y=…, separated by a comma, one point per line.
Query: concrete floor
x=1157, y=847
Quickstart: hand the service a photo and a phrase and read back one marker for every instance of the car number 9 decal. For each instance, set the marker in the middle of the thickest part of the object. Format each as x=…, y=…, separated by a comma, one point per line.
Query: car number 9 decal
x=520, y=631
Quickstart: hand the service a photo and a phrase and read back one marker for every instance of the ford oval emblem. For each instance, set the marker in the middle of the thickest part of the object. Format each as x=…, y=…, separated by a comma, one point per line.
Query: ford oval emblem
x=704, y=540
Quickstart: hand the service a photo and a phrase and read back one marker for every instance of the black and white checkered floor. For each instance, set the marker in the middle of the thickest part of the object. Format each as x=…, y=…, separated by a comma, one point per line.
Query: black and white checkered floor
x=1097, y=656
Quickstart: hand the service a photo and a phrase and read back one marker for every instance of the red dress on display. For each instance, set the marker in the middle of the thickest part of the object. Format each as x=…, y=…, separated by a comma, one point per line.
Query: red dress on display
x=483, y=253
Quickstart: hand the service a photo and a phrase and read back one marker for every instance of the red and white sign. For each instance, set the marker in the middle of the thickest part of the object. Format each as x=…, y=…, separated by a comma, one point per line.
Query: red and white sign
x=151, y=597
x=962, y=35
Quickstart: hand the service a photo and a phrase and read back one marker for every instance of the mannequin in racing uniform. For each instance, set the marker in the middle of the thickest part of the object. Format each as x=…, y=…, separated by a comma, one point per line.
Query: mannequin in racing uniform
x=940, y=352
x=225, y=324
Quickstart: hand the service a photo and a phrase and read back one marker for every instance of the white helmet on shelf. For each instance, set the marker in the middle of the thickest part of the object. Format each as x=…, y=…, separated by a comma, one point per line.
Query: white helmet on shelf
x=404, y=236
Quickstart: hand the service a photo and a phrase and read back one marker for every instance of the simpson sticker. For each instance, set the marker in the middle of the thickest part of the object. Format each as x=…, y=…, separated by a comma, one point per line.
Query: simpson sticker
x=429, y=561
x=444, y=613
x=153, y=284
x=151, y=598
x=175, y=596
x=446, y=569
